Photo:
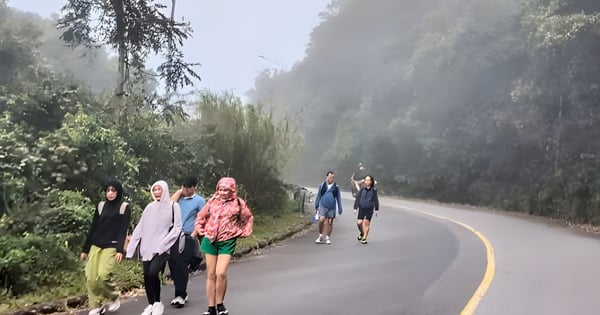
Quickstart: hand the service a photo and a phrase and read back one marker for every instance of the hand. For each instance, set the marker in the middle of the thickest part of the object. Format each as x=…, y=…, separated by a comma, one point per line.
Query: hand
x=340, y=212
x=118, y=258
x=376, y=213
x=354, y=211
x=83, y=256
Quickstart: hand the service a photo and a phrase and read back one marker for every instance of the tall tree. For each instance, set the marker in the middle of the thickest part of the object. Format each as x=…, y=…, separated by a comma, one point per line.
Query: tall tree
x=136, y=29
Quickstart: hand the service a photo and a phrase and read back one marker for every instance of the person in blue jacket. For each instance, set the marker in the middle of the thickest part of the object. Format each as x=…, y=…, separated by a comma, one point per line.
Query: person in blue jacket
x=367, y=204
x=328, y=196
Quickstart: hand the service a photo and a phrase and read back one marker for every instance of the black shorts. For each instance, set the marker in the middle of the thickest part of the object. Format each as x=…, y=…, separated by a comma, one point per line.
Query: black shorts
x=365, y=214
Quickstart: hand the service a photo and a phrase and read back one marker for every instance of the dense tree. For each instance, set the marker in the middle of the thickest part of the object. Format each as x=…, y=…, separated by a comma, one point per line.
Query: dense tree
x=481, y=102
x=135, y=29
x=60, y=140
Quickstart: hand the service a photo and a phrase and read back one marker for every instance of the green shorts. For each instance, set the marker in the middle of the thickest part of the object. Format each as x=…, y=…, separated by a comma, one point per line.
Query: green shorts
x=218, y=248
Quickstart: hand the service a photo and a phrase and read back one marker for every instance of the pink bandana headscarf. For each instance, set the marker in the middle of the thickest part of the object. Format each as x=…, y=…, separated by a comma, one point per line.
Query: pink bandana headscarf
x=228, y=183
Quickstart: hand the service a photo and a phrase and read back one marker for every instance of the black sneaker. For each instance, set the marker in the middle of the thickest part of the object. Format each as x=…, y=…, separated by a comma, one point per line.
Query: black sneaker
x=222, y=310
x=359, y=237
x=363, y=241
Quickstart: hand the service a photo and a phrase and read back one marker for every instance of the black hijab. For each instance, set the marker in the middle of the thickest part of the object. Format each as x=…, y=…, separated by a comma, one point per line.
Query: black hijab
x=113, y=206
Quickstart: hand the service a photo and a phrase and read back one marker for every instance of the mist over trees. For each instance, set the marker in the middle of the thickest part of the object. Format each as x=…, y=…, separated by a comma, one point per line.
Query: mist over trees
x=481, y=102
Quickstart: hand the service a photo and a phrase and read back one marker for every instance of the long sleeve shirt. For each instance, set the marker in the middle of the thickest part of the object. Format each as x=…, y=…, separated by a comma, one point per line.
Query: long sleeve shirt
x=157, y=231
x=367, y=199
x=108, y=229
x=224, y=220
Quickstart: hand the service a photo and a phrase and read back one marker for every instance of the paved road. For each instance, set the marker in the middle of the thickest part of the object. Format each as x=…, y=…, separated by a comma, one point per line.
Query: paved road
x=541, y=268
x=415, y=263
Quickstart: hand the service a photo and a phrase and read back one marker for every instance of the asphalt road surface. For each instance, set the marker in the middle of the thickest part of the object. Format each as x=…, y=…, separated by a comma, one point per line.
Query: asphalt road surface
x=420, y=259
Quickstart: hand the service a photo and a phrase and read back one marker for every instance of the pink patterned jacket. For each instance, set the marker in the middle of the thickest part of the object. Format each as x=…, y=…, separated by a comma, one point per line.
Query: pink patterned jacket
x=224, y=220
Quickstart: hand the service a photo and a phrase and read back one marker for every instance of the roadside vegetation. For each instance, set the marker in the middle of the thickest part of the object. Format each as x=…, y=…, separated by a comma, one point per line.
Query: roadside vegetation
x=488, y=103
x=65, y=129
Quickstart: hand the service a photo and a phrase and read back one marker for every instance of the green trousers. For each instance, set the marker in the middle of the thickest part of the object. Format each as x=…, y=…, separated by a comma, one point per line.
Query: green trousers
x=98, y=272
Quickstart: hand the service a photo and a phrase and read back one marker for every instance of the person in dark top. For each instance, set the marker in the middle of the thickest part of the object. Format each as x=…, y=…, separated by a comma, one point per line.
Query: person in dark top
x=104, y=247
x=367, y=203
x=190, y=204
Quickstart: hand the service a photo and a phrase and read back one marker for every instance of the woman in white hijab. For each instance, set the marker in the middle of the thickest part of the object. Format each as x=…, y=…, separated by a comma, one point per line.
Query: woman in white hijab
x=157, y=231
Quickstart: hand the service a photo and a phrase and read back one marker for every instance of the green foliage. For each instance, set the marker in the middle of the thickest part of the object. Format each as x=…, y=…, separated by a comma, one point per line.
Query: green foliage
x=17, y=163
x=128, y=275
x=33, y=261
x=480, y=102
x=59, y=142
x=84, y=152
x=67, y=215
x=246, y=143
x=137, y=29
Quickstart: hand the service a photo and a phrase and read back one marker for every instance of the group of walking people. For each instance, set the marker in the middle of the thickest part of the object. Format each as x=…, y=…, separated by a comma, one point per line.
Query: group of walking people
x=328, y=198
x=167, y=232
x=174, y=228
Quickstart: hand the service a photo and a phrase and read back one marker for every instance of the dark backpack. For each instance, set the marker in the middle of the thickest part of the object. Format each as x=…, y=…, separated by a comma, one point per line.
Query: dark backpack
x=334, y=190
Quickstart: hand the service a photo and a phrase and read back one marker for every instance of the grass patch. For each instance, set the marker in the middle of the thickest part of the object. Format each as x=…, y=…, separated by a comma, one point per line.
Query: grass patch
x=128, y=275
x=266, y=227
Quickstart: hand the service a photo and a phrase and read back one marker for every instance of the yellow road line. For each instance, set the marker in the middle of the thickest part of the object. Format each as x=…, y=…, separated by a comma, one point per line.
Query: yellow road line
x=490, y=269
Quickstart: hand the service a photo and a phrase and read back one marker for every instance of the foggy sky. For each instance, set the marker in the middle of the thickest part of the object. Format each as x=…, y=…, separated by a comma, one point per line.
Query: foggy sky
x=229, y=35
x=360, y=71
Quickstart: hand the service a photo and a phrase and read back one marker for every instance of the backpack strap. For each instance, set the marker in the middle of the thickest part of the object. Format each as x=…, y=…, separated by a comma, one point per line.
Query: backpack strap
x=172, y=214
x=100, y=206
x=123, y=208
x=322, y=189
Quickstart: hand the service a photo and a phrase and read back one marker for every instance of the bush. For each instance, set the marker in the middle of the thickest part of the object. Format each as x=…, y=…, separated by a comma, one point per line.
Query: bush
x=33, y=261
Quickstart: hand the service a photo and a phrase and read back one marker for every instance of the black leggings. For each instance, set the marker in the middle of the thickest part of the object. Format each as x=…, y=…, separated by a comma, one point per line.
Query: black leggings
x=151, y=280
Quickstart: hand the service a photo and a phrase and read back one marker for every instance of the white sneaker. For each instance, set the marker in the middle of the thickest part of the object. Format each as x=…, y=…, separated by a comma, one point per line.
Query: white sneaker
x=147, y=310
x=113, y=306
x=158, y=308
x=96, y=311
x=328, y=241
x=179, y=301
x=319, y=240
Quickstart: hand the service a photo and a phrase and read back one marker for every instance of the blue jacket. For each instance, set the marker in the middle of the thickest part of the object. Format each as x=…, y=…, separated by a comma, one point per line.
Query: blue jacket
x=328, y=198
x=367, y=199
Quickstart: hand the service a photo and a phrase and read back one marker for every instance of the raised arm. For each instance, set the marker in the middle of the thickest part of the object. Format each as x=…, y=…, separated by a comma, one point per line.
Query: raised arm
x=177, y=194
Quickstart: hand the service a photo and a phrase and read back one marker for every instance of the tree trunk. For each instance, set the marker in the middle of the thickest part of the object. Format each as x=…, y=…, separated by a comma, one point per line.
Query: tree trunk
x=173, y=10
x=123, y=67
x=558, y=133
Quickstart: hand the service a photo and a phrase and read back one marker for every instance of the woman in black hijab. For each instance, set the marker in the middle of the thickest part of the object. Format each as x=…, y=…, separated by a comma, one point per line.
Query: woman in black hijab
x=104, y=247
